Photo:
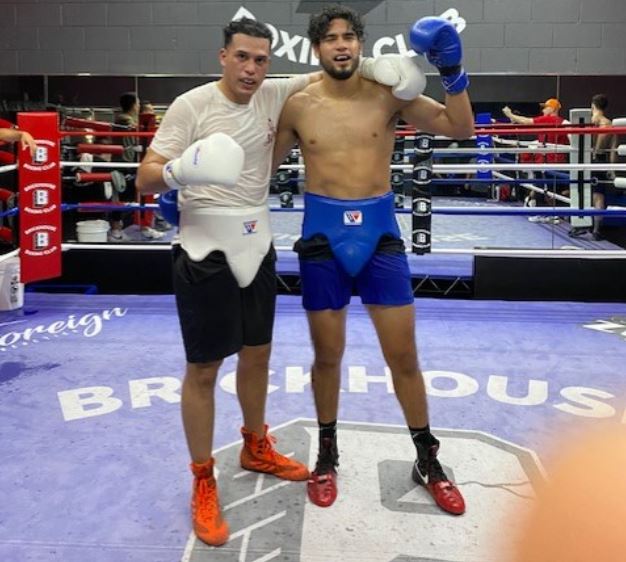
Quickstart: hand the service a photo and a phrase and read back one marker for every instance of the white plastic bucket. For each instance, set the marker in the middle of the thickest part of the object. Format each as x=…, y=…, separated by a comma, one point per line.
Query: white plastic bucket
x=11, y=290
x=92, y=231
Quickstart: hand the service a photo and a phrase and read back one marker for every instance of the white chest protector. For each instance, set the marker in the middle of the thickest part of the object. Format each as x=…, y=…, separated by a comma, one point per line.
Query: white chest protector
x=242, y=233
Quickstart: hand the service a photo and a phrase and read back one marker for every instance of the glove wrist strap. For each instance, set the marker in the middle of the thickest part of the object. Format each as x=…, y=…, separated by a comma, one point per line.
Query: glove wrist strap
x=450, y=70
x=455, y=83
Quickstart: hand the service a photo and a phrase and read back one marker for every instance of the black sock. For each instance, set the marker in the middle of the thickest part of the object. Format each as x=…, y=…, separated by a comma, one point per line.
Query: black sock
x=422, y=438
x=328, y=430
x=418, y=433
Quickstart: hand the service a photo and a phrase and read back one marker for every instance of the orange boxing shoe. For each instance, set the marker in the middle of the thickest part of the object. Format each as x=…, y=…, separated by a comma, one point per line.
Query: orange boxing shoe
x=258, y=454
x=205, y=506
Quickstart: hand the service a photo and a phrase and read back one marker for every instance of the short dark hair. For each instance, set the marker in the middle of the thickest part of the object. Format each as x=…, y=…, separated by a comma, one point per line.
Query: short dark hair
x=320, y=22
x=600, y=101
x=127, y=100
x=247, y=26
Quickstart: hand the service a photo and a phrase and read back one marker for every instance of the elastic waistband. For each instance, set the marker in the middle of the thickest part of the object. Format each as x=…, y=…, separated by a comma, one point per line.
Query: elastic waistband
x=228, y=211
x=334, y=200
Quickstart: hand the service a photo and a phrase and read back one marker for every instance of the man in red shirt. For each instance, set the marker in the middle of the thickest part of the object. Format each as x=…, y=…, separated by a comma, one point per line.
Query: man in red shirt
x=549, y=117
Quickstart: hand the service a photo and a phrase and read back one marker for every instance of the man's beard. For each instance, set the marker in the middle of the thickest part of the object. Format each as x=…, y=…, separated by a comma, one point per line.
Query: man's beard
x=340, y=73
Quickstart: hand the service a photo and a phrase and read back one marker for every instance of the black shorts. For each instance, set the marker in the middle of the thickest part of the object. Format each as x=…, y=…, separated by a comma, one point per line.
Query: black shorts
x=217, y=317
x=603, y=180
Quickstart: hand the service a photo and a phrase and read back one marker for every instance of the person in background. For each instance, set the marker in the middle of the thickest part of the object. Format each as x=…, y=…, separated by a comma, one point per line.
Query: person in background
x=604, y=151
x=149, y=122
x=129, y=117
x=23, y=137
x=549, y=116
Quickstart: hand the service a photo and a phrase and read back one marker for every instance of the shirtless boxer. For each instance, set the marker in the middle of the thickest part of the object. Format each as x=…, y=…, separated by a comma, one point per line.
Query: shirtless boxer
x=604, y=151
x=345, y=127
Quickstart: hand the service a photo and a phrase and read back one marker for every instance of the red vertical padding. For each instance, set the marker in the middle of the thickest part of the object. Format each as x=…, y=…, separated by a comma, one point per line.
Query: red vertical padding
x=40, y=199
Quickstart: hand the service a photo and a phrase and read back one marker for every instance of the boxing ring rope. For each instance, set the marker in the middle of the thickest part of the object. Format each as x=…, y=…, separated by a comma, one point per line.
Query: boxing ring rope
x=538, y=130
x=473, y=151
x=464, y=168
x=500, y=150
x=477, y=211
x=532, y=187
x=125, y=165
x=511, y=181
x=493, y=210
x=486, y=210
x=534, y=144
x=556, y=252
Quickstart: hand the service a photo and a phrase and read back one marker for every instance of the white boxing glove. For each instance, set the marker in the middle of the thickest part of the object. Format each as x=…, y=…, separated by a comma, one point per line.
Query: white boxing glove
x=215, y=160
x=406, y=79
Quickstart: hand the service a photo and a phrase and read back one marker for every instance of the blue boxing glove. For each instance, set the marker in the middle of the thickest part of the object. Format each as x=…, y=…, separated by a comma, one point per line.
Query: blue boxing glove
x=168, y=205
x=439, y=41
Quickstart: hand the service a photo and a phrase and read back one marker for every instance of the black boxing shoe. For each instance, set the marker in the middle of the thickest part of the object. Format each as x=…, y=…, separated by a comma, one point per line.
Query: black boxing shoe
x=577, y=232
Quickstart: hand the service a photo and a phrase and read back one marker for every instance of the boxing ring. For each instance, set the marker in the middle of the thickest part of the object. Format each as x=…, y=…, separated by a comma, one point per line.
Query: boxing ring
x=460, y=235
x=94, y=464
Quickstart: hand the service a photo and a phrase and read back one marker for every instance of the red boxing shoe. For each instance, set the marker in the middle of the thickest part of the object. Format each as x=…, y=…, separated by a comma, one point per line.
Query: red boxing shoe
x=429, y=473
x=322, y=485
x=322, y=488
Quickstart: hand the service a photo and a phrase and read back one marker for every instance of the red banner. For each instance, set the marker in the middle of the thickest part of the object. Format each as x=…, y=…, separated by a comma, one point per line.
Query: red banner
x=40, y=199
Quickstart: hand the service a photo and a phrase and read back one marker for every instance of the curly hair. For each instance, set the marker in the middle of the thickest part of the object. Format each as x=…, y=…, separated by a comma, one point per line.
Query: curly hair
x=247, y=26
x=320, y=22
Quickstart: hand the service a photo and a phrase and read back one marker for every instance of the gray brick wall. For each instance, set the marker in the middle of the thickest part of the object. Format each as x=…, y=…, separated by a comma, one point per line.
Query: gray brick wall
x=529, y=34
x=169, y=36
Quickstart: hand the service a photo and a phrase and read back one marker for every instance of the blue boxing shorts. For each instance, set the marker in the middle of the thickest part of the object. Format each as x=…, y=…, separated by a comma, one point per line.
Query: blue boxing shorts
x=352, y=245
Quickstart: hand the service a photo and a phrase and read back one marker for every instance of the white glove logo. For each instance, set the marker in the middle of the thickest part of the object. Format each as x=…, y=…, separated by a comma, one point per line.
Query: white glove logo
x=452, y=15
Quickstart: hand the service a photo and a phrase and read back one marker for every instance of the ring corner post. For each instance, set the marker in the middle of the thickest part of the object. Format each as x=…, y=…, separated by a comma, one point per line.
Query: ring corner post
x=580, y=196
x=421, y=216
x=40, y=198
